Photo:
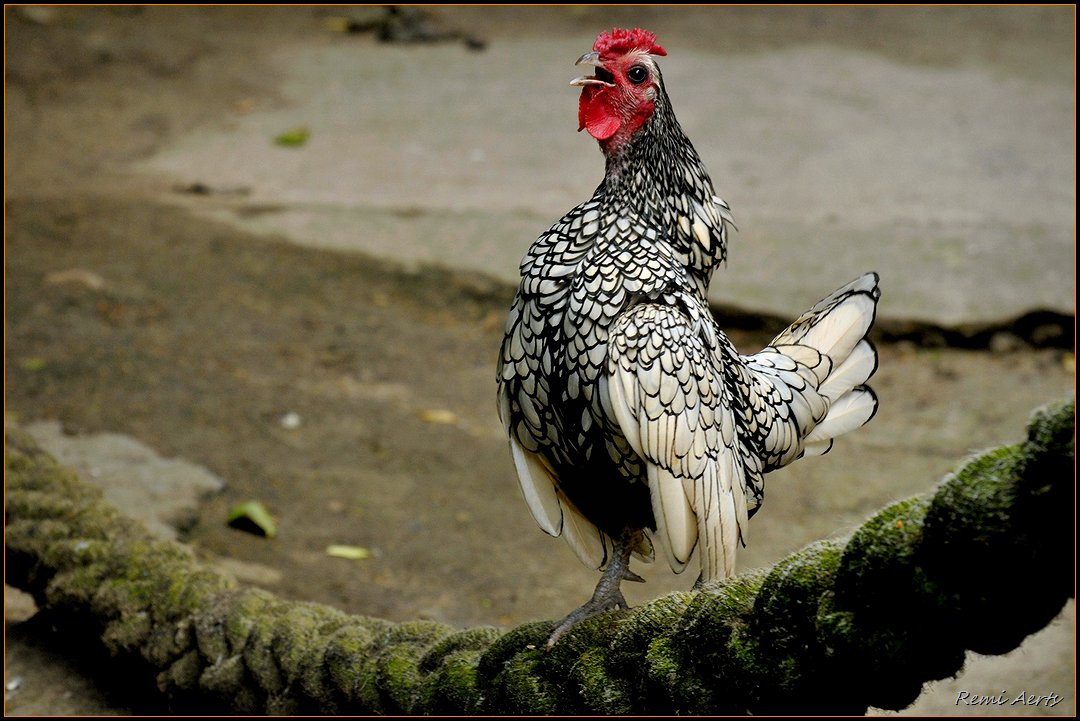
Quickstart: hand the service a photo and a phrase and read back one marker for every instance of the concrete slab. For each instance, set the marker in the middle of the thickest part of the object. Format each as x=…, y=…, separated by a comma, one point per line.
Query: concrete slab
x=956, y=183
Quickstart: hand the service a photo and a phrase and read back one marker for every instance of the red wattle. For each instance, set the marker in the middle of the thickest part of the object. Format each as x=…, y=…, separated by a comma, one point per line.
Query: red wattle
x=596, y=115
x=583, y=103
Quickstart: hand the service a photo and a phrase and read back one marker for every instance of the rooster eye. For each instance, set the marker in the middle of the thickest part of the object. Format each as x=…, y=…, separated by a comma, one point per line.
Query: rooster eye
x=637, y=74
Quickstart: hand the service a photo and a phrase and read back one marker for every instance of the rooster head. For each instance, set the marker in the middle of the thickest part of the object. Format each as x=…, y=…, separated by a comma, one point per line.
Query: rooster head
x=621, y=95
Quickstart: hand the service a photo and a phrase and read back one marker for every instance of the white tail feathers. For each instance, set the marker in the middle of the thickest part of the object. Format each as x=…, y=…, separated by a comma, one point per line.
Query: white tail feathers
x=854, y=371
x=837, y=323
x=848, y=412
x=836, y=328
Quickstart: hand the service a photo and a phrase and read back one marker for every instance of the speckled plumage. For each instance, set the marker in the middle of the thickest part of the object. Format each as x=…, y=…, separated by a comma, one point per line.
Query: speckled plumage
x=626, y=406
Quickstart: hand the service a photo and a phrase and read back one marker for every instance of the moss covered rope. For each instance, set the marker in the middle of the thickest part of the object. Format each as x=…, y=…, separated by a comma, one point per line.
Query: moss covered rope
x=840, y=626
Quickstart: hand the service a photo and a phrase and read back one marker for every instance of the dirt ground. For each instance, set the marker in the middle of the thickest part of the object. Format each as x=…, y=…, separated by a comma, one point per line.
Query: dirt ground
x=355, y=398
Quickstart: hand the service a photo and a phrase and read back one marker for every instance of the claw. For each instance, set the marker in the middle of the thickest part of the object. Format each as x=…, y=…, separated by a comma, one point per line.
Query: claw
x=610, y=602
x=607, y=596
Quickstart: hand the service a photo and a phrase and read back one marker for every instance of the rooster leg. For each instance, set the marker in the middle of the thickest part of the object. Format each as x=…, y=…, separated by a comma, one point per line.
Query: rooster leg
x=607, y=596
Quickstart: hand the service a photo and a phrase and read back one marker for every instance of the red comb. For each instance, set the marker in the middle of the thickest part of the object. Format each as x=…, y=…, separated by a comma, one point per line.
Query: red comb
x=620, y=41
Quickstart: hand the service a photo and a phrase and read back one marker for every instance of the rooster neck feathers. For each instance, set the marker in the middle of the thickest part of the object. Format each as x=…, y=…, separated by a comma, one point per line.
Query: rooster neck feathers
x=654, y=176
x=657, y=175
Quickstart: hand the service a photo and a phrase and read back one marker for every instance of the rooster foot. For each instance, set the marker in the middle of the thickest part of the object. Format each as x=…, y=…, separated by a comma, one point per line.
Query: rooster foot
x=607, y=596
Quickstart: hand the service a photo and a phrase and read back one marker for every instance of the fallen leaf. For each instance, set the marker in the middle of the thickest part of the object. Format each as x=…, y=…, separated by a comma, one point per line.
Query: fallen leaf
x=438, y=415
x=293, y=138
x=352, y=553
x=338, y=24
x=78, y=276
x=33, y=365
x=252, y=517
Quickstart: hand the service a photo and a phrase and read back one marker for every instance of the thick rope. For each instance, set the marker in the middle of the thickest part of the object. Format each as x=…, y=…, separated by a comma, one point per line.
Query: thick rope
x=833, y=629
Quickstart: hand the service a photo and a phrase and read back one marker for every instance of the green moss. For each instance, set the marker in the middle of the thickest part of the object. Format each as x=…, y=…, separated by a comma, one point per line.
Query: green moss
x=672, y=686
x=662, y=665
x=1001, y=512
x=1052, y=429
x=519, y=688
x=599, y=691
x=258, y=651
x=472, y=639
x=398, y=675
x=632, y=636
x=896, y=618
x=450, y=687
x=250, y=612
x=628, y=643
x=716, y=610
x=366, y=686
x=786, y=605
x=224, y=676
x=184, y=672
x=782, y=658
x=527, y=637
x=346, y=651
x=314, y=670
x=295, y=629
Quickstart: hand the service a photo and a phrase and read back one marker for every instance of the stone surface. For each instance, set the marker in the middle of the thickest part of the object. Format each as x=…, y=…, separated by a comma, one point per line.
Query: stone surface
x=162, y=493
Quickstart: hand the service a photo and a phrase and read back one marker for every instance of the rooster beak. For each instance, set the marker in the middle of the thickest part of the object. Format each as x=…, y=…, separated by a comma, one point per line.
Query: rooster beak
x=592, y=58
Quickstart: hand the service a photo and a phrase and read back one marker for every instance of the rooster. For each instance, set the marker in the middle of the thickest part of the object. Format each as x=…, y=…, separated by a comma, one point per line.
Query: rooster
x=634, y=423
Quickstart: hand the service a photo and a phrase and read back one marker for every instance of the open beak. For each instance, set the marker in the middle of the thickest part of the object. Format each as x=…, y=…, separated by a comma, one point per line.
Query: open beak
x=593, y=59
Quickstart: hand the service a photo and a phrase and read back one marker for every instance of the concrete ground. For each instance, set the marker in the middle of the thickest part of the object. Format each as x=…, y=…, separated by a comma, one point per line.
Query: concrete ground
x=175, y=275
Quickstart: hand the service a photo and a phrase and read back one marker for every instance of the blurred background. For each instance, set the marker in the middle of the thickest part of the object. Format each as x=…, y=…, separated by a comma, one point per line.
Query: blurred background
x=266, y=254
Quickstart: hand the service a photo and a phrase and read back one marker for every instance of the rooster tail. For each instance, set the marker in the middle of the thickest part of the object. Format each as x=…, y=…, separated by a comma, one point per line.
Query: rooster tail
x=837, y=328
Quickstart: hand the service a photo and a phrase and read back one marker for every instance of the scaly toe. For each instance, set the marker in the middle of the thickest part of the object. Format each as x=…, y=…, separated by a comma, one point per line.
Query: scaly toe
x=609, y=602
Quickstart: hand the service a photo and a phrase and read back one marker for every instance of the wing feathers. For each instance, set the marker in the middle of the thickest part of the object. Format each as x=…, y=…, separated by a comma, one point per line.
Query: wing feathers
x=676, y=525
x=668, y=398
